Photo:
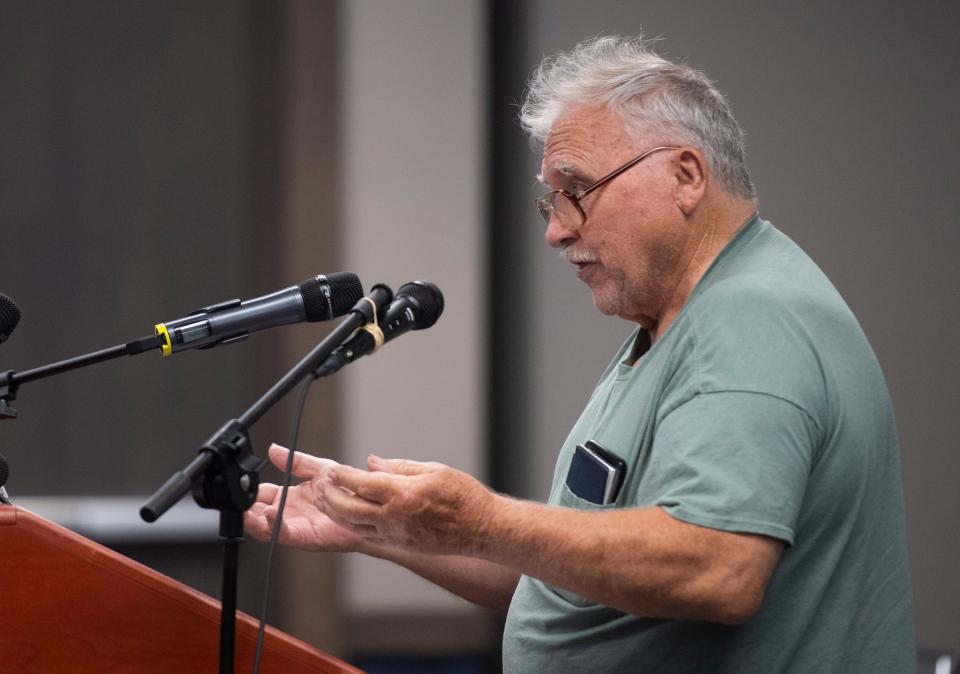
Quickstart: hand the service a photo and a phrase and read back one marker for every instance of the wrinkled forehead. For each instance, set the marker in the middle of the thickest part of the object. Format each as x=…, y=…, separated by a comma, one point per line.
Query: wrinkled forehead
x=581, y=135
x=585, y=124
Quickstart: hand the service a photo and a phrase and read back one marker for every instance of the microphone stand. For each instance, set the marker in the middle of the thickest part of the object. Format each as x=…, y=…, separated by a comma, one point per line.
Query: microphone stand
x=10, y=381
x=224, y=474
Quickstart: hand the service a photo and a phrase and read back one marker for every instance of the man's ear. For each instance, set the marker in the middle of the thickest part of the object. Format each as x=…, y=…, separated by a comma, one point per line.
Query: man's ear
x=691, y=171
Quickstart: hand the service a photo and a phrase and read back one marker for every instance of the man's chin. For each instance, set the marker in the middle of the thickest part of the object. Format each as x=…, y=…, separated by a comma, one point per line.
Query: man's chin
x=605, y=304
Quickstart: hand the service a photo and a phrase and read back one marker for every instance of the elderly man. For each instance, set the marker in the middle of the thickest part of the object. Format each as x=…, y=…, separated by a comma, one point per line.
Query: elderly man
x=730, y=498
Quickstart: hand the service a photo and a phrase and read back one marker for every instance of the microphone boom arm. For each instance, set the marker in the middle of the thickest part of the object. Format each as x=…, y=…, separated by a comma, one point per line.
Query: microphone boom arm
x=10, y=381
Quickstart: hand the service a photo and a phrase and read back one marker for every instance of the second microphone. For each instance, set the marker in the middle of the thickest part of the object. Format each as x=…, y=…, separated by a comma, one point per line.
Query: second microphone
x=417, y=305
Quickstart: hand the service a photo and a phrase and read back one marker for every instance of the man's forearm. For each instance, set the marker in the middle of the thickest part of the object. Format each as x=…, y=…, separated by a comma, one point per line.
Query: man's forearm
x=639, y=560
x=476, y=580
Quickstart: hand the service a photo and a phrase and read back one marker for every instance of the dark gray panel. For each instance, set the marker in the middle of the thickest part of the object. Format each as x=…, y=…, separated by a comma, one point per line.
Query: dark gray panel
x=127, y=197
x=141, y=176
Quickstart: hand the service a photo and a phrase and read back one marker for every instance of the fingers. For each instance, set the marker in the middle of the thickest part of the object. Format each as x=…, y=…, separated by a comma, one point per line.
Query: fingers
x=366, y=531
x=375, y=463
x=347, y=510
x=400, y=466
x=304, y=465
x=266, y=492
x=376, y=487
x=286, y=535
x=255, y=523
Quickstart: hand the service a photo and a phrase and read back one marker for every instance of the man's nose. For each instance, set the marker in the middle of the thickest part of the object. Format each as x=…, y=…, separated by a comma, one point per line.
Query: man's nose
x=559, y=234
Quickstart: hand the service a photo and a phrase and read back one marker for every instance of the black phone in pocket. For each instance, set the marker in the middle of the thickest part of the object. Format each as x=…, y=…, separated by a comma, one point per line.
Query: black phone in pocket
x=596, y=474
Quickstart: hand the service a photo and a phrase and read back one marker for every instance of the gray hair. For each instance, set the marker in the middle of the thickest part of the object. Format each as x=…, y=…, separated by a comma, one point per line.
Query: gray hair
x=647, y=92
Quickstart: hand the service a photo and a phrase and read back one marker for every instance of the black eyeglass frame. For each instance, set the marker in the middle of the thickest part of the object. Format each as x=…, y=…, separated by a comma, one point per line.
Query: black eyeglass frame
x=547, y=203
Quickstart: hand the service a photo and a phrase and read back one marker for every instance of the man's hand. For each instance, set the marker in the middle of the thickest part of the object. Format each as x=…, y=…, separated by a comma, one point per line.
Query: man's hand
x=303, y=525
x=428, y=507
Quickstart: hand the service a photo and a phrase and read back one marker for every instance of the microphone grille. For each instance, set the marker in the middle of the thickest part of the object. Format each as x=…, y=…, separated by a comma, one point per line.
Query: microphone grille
x=428, y=297
x=9, y=317
x=4, y=470
x=327, y=296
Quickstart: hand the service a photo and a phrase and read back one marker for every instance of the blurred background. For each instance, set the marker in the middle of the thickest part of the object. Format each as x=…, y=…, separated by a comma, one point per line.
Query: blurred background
x=160, y=156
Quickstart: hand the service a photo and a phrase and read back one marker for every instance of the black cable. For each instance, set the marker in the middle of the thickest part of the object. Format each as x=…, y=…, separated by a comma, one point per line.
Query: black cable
x=275, y=533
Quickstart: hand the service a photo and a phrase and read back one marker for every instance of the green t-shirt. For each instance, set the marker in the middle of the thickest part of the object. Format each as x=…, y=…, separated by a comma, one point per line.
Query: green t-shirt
x=763, y=410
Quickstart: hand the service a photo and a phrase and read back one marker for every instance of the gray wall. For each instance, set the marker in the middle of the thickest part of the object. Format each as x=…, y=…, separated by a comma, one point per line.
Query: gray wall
x=850, y=111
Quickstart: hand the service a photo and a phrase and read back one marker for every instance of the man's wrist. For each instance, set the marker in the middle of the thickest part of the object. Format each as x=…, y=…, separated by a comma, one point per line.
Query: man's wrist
x=483, y=540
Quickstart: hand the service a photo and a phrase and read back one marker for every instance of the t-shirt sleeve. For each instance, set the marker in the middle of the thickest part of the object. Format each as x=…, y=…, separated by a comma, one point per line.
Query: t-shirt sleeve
x=731, y=460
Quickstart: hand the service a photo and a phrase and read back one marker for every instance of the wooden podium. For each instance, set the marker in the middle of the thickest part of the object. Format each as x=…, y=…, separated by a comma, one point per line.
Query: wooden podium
x=69, y=605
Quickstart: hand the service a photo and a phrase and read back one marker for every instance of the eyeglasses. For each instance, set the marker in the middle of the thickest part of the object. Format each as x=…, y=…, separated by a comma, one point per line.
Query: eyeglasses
x=566, y=205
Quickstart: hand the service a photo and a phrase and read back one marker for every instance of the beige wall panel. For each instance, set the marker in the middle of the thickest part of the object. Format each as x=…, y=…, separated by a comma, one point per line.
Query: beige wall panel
x=412, y=208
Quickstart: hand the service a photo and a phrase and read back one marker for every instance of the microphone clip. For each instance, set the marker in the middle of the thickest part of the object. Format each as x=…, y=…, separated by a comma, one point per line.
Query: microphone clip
x=230, y=479
x=219, y=306
x=8, y=393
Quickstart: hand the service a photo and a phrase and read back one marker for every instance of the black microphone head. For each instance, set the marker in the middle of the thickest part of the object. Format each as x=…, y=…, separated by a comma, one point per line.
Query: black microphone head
x=327, y=296
x=429, y=299
x=9, y=317
x=4, y=470
x=382, y=295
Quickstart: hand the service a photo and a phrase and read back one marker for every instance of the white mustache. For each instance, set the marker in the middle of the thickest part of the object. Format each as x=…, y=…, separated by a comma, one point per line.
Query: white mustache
x=577, y=256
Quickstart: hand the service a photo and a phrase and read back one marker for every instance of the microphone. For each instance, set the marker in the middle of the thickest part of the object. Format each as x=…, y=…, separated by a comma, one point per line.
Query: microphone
x=319, y=298
x=417, y=305
x=9, y=317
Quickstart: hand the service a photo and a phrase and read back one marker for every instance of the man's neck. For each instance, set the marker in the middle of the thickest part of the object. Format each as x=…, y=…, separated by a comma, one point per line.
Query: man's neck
x=718, y=227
